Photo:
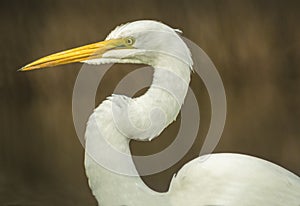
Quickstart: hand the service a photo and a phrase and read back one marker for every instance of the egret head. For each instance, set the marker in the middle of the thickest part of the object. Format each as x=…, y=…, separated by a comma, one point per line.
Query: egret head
x=143, y=42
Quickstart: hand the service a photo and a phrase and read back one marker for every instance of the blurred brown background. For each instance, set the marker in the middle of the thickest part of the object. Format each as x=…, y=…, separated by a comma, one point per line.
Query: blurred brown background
x=254, y=44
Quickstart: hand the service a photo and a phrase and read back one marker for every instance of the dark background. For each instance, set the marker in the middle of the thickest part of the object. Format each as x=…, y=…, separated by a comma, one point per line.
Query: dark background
x=254, y=44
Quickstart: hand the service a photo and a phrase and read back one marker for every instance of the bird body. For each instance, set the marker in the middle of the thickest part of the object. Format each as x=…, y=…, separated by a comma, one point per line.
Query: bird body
x=215, y=179
x=234, y=180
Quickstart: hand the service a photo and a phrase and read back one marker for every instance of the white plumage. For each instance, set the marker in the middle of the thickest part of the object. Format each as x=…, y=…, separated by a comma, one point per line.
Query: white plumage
x=217, y=179
x=221, y=179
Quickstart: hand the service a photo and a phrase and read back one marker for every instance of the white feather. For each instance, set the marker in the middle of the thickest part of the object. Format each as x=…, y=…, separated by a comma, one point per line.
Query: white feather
x=220, y=179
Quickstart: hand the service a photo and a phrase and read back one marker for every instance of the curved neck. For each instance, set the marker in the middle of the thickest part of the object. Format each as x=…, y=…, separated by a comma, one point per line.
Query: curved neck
x=162, y=103
x=145, y=117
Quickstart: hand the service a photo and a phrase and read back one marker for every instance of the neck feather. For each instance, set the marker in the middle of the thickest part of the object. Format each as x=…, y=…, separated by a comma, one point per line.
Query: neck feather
x=162, y=103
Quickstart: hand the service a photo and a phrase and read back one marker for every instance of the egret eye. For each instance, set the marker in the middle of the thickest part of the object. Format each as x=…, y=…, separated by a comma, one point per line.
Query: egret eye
x=129, y=41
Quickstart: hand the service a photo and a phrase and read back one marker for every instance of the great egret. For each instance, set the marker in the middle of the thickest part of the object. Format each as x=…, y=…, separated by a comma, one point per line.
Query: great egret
x=222, y=179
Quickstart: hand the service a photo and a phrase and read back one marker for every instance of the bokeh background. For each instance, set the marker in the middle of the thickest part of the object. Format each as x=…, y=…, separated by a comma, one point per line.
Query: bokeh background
x=254, y=44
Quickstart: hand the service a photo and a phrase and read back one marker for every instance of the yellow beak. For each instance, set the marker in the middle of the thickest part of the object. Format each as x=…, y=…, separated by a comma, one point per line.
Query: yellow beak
x=91, y=51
